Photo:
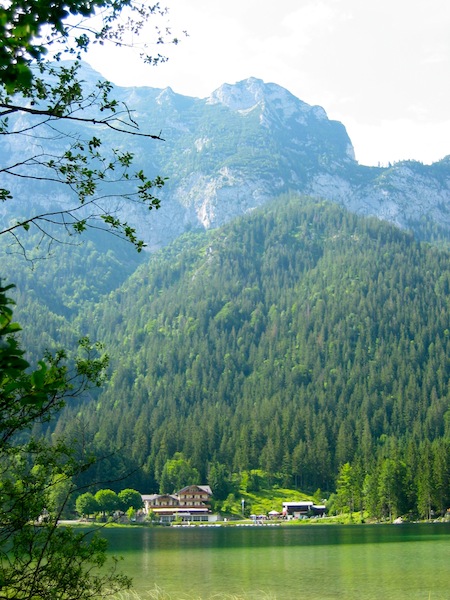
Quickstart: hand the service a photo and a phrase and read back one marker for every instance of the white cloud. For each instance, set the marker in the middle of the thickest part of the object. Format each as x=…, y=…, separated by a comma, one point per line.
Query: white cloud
x=402, y=139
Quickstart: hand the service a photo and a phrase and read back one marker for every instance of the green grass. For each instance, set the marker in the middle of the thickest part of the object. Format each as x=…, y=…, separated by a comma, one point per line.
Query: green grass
x=263, y=501
x=159, y=594
x=261, y=498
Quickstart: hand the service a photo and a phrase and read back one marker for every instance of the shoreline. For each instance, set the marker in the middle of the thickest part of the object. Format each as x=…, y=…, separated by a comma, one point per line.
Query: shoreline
x=324, y=521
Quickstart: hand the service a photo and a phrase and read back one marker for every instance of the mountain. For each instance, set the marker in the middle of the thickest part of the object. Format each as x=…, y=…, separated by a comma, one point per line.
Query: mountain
x=247, y=143
x=271, y=330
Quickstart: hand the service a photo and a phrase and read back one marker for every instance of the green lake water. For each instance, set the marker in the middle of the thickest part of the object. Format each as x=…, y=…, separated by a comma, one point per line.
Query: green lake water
x=360, y=562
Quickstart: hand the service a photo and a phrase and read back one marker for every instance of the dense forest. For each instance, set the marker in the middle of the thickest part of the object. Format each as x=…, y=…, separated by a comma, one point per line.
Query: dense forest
x=301, y=340
x=57, y=280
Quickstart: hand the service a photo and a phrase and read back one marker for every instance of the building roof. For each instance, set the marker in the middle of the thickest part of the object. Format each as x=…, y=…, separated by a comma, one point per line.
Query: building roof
x=203, y=488
x=150, y=497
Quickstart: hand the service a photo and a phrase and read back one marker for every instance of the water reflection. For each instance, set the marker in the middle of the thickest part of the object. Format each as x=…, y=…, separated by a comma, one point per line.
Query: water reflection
x=358, y=562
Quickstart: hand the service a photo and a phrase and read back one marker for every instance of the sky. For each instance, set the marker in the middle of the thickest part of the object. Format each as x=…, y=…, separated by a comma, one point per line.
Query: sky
x=380, y=67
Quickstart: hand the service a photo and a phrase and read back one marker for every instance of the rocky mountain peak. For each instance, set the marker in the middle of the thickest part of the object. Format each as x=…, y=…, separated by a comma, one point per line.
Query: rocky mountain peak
x=247, y=94
x=241, y=96
x=166, y=96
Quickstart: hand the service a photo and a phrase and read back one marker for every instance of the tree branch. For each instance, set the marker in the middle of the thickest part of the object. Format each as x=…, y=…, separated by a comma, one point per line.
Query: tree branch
x=12, y=108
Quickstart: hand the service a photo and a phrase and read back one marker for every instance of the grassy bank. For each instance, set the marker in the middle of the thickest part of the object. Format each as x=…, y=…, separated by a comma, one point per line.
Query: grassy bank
x=159, y=594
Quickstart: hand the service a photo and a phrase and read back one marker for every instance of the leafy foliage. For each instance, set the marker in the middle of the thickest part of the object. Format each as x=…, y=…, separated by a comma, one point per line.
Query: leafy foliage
x=86, y=504
x=107, y=500
x=38, y=558
x=44, y=100
x=130, y=499
x=38, y=99
x=30, y=30
x=26, y=397
x=176, y=474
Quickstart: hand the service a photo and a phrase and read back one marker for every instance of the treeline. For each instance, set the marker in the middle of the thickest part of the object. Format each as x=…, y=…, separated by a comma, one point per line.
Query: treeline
x=295, y=340
x=412, y=483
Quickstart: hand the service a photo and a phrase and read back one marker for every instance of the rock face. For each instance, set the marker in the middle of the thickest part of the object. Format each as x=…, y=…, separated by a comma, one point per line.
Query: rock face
x=250, y=142
x=404, y=194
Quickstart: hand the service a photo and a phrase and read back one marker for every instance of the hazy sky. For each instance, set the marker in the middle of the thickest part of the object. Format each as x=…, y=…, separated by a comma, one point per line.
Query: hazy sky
x=380, y=67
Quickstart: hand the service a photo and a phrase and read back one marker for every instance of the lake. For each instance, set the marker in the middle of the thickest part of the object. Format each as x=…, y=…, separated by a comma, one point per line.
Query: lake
x=360, y=562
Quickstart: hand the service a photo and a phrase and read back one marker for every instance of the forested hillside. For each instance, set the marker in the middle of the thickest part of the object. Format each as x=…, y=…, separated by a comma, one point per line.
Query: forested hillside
x=59, y=281
x=297, y=340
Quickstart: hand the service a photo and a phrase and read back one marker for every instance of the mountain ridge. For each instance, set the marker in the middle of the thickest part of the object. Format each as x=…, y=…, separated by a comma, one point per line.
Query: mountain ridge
x=278, y=143
x=241, y=146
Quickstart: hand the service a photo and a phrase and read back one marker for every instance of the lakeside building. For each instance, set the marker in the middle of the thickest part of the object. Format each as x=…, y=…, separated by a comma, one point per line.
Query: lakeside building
x=300, y=509
x=190, y=504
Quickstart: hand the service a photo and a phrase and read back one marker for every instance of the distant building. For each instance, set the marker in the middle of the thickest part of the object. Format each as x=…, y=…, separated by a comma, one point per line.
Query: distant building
x=301, y=509
x=191, y=504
